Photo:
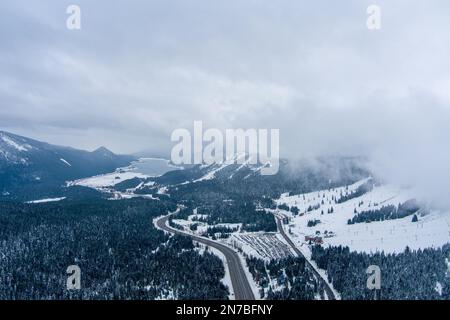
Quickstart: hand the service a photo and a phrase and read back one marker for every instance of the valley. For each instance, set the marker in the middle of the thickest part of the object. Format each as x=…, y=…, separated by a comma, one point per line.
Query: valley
x=308, y=232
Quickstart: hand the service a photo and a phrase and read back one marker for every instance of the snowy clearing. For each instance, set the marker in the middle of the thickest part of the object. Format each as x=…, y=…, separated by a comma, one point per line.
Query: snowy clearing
x=47, y=200
x=107, y=180
x=15, y=145
x=432, y=230
x=65, y=162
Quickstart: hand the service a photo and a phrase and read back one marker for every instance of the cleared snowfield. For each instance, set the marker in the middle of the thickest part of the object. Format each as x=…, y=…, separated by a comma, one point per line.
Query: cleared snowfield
x=107, y=180
x=235, y=159
x=65, y=162
x=47, y=200
x=432, y=230
x=211, y=174
x=142, y=168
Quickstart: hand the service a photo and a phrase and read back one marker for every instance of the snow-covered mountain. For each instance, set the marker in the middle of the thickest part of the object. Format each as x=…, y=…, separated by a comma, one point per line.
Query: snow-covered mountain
x=28, y=165
x=334, y=201
x=380, y=217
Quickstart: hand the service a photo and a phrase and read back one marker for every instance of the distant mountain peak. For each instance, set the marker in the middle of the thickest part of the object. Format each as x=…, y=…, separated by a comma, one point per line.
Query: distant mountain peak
x=29, y=167
x=104, y=151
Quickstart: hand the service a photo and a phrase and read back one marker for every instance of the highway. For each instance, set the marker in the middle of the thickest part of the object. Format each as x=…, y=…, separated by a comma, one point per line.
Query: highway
x=325, y=285
x=239, y=281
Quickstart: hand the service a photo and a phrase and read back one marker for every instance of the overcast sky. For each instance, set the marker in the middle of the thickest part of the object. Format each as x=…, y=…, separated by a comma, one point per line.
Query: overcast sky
x=139, y=69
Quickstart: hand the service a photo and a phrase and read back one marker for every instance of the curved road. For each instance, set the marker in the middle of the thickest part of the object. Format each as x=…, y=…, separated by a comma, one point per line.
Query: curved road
x=241, y=287
x=325, y=285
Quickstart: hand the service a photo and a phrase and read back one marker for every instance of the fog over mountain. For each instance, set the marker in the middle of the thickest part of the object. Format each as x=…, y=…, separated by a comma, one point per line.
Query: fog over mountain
x=137, y=70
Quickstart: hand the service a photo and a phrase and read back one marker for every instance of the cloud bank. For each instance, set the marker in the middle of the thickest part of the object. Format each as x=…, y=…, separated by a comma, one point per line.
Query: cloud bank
x=137, y=70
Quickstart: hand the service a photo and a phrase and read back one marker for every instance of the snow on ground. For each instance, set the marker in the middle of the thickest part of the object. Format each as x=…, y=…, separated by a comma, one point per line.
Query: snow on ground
x=256, y=170
x=303, y=201
x=184, y=223
x=246, y=163
x=304, y=249
x=235, y=159
x=164, y=295
x=47, y=200
x=432, y=230
x=201, y=226
x=211, y=174
x=226, y=280
x=266, y=246
x=117, y=195
x=162, y=190
x=194, y=216
x=260, y=245
x=65, y=162
x=14, y=144
x=141, y=169
x=107, y=180
x=255, y=288
x=253, y=285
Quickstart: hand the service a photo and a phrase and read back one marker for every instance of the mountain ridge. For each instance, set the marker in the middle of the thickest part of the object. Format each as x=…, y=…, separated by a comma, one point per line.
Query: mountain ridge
x=28, y=166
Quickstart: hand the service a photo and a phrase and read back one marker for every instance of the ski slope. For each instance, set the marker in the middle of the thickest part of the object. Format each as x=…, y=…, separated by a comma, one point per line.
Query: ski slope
x=432, y=229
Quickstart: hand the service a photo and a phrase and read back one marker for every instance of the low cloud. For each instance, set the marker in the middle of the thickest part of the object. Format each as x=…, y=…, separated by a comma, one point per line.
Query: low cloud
x=138, y=70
